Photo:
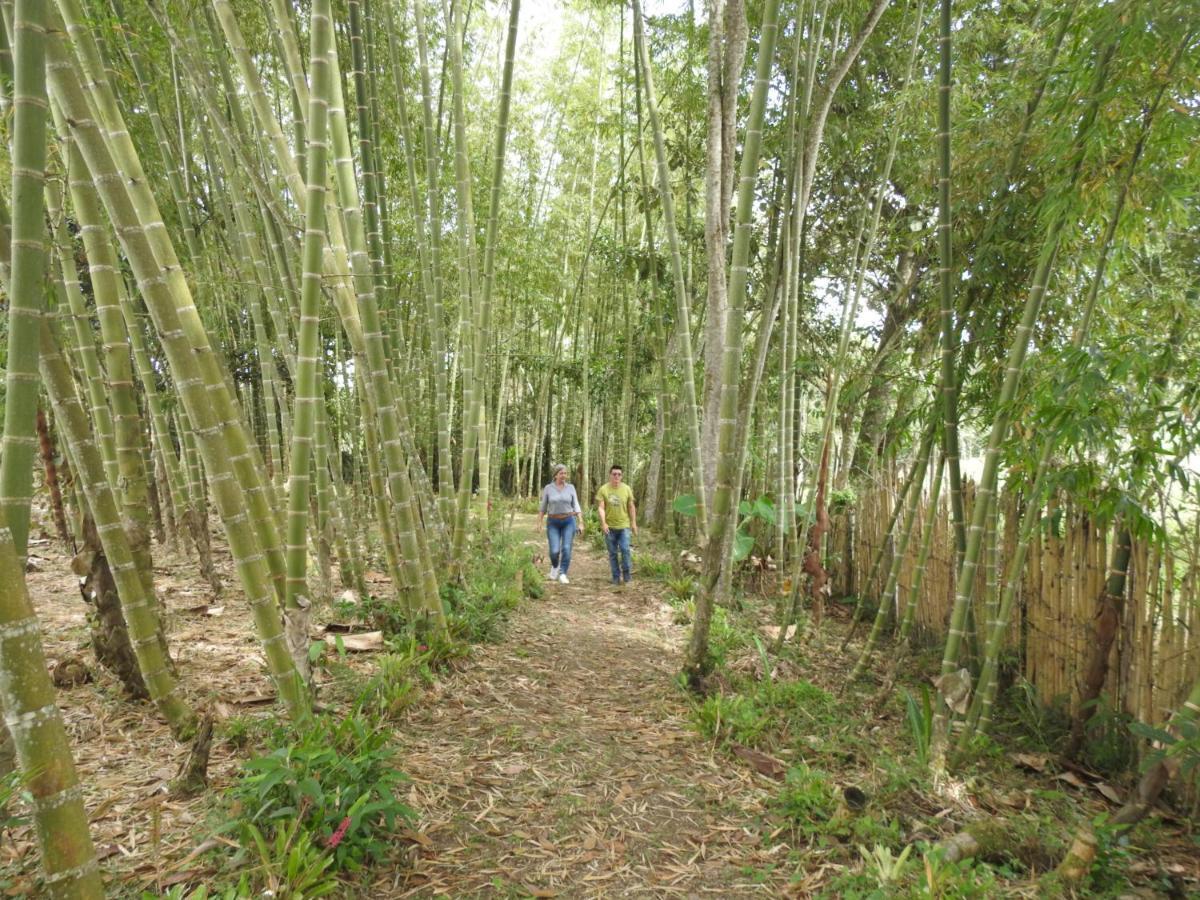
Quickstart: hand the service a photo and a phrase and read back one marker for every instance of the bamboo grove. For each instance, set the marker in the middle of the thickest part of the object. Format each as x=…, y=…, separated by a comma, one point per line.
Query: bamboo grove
x=773, y=258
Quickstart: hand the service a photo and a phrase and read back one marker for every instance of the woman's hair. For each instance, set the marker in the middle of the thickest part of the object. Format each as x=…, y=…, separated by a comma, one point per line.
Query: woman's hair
x=558, y=468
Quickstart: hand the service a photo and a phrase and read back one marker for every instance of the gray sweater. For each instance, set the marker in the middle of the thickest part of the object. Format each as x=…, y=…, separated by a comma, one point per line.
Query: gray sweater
x=558, y=501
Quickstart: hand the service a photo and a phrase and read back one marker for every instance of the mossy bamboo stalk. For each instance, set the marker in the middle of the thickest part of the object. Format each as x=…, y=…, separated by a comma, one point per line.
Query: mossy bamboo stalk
x=107, y=120
x=419, y=579
x=168, y=156
x=129, y=428
x=474, y=423
x=28, y=265
x=83, y=346
x=436, y=313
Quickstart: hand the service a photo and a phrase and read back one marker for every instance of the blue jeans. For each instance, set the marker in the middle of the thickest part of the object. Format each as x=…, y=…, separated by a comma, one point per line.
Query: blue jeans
x=617, y=539
x=560, y=533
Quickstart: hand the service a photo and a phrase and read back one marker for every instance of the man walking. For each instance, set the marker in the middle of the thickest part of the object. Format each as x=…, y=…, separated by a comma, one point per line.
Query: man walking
x=618, y=517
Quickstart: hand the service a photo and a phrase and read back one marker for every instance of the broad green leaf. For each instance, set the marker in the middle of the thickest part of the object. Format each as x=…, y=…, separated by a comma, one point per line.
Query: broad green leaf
x=742, y=545
x=685, y=504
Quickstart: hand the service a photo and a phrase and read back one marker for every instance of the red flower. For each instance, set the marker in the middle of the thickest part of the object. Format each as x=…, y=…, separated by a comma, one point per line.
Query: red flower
x=336, y=837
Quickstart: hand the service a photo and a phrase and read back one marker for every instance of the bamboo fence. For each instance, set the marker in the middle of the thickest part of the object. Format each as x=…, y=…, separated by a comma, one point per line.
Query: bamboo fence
x=1156, y=658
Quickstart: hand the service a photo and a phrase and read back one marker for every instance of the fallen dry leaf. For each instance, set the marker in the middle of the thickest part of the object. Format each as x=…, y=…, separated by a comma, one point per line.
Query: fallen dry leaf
x=1072, y=779
x=762, y=763
x=1037, y=762
x=363, y=643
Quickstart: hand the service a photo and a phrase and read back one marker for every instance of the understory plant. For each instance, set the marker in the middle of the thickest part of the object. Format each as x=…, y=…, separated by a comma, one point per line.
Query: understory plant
x=332, y=790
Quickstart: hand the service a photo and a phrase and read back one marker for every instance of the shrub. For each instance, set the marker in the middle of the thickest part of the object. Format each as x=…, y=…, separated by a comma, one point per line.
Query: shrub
x=335, y=783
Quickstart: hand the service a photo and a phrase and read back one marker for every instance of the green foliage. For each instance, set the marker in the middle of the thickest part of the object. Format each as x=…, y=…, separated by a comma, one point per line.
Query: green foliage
x=760, y=510
x=649, y=567
x=478, y=608
x=241, y=732
x=1031, y=722
x=380, y=613
x=203, y=892
x=841, y=500
x=291, y=865
x=10, y=787
x=391, y=689
x=732, y=717
x=881, y=864
x=681, y=590
x=685, y=505
x=1110, y=747
x=724, y=637
x=806, y=799
x=336, y=782
x=966, y=879
x=920, y=723
x=1184, y=746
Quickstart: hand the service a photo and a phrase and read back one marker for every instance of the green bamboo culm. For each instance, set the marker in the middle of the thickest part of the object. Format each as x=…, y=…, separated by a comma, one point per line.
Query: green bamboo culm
x=1013, y=366
x=437, y=331
x=106, y=117
x=945, y=282
x=473, y=421
x=191, y=360
x=28, y=266
x=138, y=605
x=418, y=580
x=682, y=310
x=697, y=661
x=26, y=694
x=980, y=713
x=308, y=356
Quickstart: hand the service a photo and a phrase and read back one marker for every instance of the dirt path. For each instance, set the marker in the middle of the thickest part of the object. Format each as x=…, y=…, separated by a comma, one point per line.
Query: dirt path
x=561, y=763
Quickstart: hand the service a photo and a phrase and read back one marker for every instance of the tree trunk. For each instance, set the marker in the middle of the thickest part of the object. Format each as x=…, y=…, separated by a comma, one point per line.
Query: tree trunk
x=726, y=56
x=106, y=621
x=51, y=470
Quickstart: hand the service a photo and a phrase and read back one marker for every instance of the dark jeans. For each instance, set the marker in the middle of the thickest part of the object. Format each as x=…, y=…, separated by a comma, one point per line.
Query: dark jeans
x=617, y=540
x=560, y=533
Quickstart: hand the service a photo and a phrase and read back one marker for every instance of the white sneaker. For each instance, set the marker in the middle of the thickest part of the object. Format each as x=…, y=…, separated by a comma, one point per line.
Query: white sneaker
x=562, y=579
x=554, y=573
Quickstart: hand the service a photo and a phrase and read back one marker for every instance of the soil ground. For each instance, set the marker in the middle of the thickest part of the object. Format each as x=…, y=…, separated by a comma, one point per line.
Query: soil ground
x=563, y=761
x=556, y=762
x=559, y=761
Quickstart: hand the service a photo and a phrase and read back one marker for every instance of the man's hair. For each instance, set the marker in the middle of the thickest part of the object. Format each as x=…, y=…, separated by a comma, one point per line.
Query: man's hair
x=616, y=467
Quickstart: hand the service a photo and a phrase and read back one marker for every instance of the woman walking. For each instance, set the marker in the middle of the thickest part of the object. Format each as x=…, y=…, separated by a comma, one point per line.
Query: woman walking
x=560, y=512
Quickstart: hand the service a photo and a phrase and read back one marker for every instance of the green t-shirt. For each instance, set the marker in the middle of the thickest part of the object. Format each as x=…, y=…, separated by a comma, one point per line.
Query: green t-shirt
x=616, y=502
